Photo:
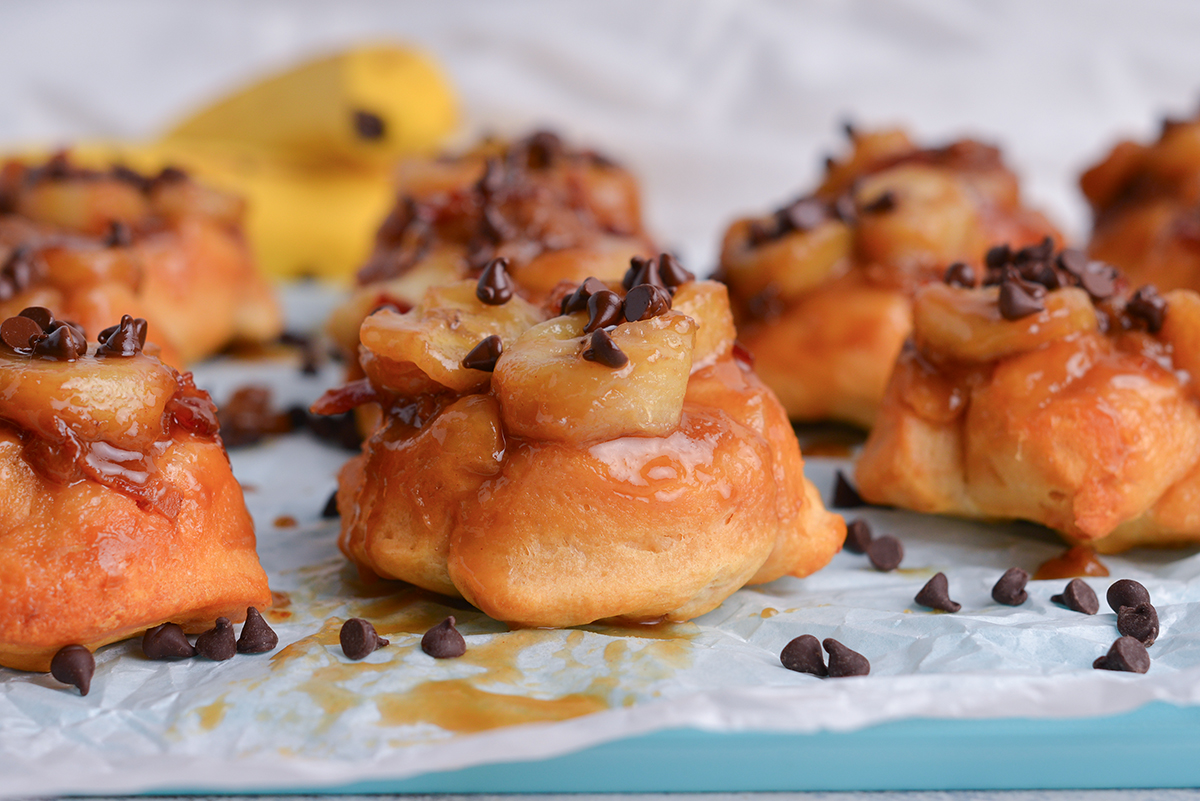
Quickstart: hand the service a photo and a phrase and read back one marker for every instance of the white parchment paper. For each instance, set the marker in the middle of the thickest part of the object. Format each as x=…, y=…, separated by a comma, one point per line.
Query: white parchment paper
x=723, y=108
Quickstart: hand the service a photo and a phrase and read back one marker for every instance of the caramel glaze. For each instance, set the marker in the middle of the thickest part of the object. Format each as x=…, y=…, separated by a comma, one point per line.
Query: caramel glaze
x=67, y=441
x=1078, y=561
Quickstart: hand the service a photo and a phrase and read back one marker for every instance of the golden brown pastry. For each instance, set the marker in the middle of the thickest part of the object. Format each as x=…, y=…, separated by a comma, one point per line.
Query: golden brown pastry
x=616, y=461
x=118, y=509
x=822, y=288
x=92, y=246
x=1145, y=203
x=553, y=212
x=1050, y=394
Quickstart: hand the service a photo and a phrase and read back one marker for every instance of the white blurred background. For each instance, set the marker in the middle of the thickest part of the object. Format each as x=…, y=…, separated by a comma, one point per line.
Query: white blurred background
x=722, y=106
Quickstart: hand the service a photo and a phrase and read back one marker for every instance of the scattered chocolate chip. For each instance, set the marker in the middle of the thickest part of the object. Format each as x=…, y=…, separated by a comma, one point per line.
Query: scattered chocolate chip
x=74, y=665
x=1016, y=301
x=642, y=271
x=369, y=126
x=359, y=639
x=167, y=642
x=119, y=235
x=1149, y=307
x=484, y=355
x=1126, y=592
x=1074, y=262
x=845, y=496
x=1010, y=589
x=64, y=342
x=960, y=274
x=219, y=642
x=443, y=641
x=127, y=338
x=673, y=273
x=1139, y=622
x=495, y=288
x=886, y=553
x=843, y=661
x=858, y=536
x=936, y=594
x=578, y=300
x=805, y=214
x=804, y=655
x=256, y=637
x=40, y=315
x=604, y=309
x=330, y=511
x=1126, y=654
x=881, y=205
x=645, y=301
x=1078, y=597
x=17, y=331
x=603, y=350
x=997, y=257
x=1099, y=280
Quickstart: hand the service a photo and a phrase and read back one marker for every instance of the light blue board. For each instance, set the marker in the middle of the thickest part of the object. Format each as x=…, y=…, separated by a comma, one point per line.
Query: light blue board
x=1155, y=746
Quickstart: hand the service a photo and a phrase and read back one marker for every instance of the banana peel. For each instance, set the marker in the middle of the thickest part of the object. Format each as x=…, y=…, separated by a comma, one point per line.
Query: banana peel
x=293, y=146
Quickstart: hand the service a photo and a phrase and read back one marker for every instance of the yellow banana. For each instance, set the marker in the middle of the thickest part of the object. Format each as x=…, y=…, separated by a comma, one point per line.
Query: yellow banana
x=366, y=105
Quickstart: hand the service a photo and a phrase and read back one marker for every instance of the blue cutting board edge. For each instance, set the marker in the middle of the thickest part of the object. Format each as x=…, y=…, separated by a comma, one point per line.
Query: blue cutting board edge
x=1157, y=745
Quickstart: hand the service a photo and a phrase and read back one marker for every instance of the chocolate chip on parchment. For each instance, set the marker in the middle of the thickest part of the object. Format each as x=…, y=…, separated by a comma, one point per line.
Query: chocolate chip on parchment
x=1010, y=589
x=936, y=594
x=843, y=661
x=167, y=641
x=960, y=274
x=74, y=665
x=1139, y=622
x=604, y=309
x=484, y=355
x=1078, y=597
x=1126, y=592
x=219, y=642
x=359, y=639
x=804, y=655
x=495, y=287
x=1126, y=654
x=16, y=332
x=443, y=641
x=1017, y=301
x=886, y=553
x=858, y=536
x=645, y=301
x=256, y=637
x=845, y=496
x=603, y=350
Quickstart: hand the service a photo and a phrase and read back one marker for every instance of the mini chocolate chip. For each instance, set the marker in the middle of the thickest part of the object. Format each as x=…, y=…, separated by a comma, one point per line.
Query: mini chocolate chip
x=119, y=235
x=1042, y=274
x=673, y=273
x=1126, y=592
x=843, y=661
x=127, y=338
x=219, y=642
x=804, y=655
x=881, y=205
x=960, y=274
x=443, y=641
x=858, y=536
x=1073, y=261
x=1040, y=252
x=1099, y=280
x=845, y=496
x=63, y=342
x=1126, y=654
x=642, y=271
x=886, y=553
x=1078, y=597
x=604, y=309
x=256, y=637
x=17, y=331
x=1149, y=307
x=1139, y=622
x=40, y=315
x=645, y=301
x=167, y=642
x=997, y=257
x=603, y=350
x=75, y=665
x=936, y=594
x=1010, y=589
x=495, y=288
x=805, y=214
x=359, y=639
x=369, y=126
x=330, y=510
x=578, y=300
x=484, y=355
x=1016, y=301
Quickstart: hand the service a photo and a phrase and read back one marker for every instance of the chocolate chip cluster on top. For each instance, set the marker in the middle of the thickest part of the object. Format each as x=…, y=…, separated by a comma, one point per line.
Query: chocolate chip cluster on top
x=34, y=332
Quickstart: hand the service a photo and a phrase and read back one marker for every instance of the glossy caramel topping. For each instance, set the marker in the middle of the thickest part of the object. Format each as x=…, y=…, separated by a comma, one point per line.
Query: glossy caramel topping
x=1076, y=561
